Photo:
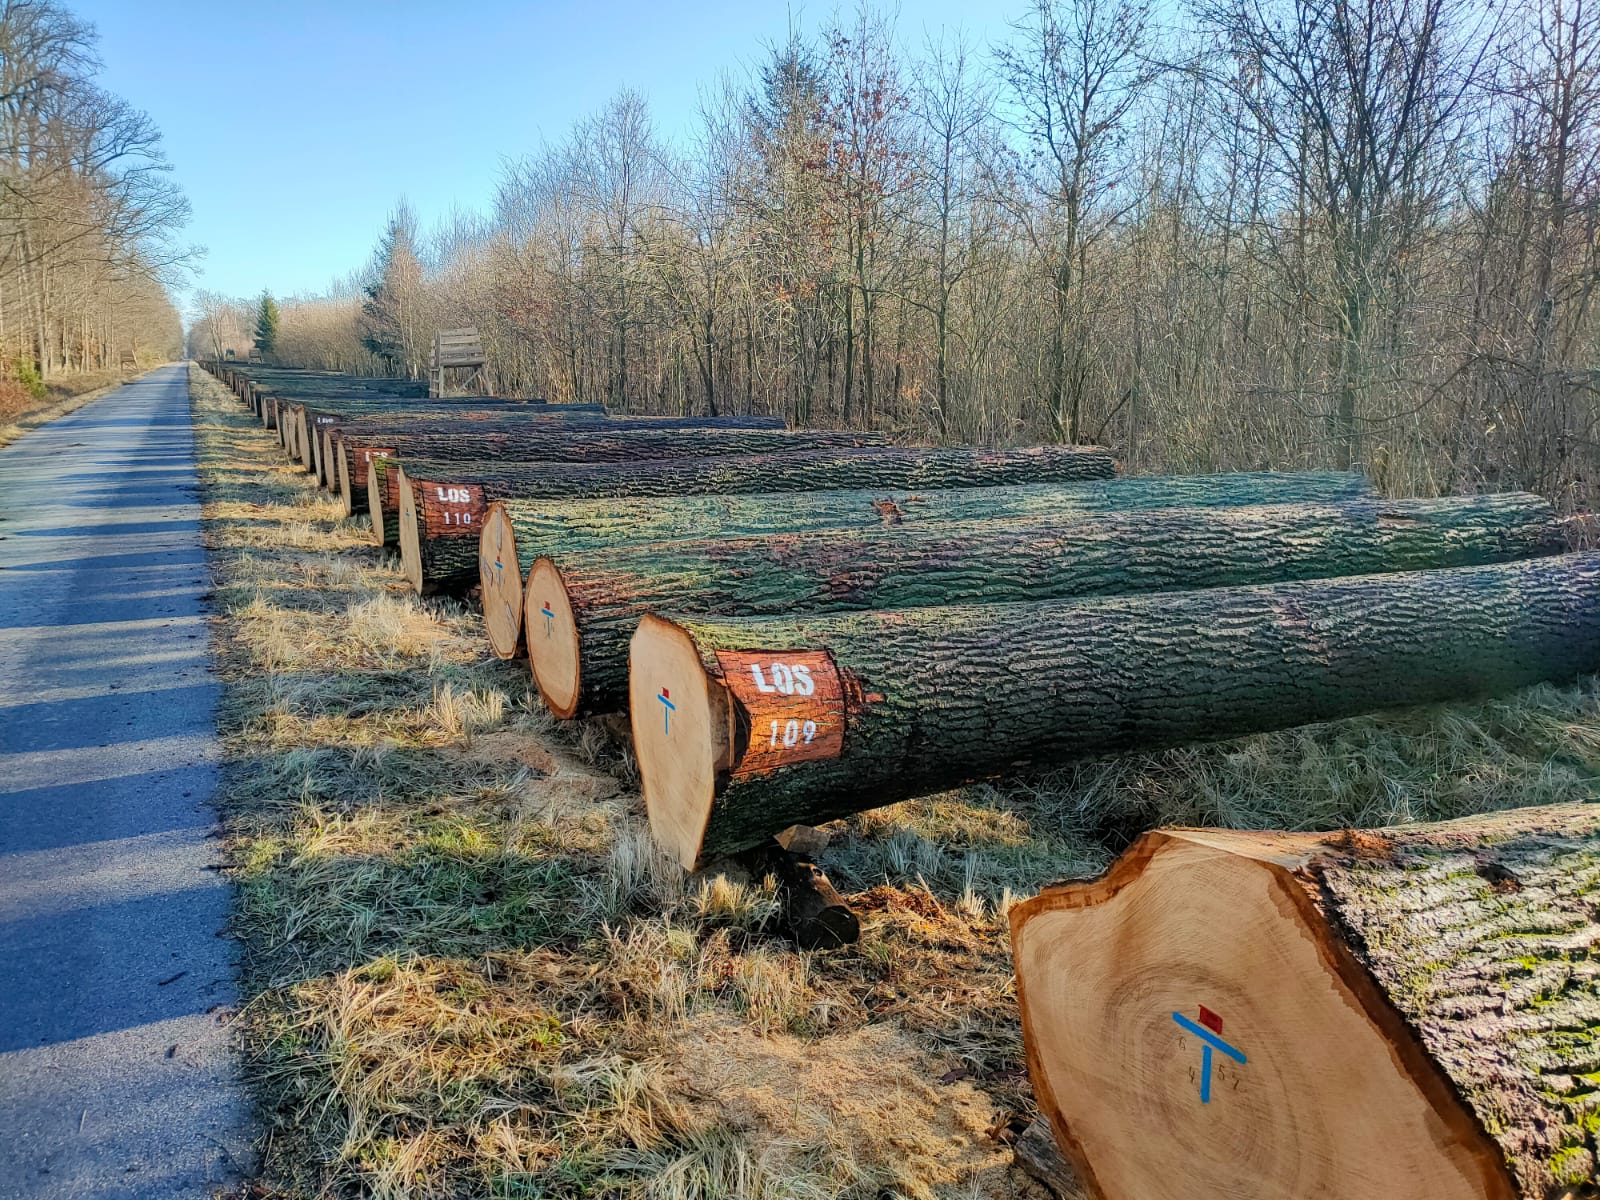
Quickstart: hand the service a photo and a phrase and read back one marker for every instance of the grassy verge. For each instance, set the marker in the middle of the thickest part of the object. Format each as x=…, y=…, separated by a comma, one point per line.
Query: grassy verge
x=468, y=973
x=62, y=396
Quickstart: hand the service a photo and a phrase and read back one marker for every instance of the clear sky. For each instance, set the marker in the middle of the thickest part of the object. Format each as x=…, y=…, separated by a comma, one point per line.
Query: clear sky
x=295, y=126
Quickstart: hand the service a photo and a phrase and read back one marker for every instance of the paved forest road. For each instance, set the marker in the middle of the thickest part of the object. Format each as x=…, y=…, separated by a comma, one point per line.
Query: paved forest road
x=115, y=1075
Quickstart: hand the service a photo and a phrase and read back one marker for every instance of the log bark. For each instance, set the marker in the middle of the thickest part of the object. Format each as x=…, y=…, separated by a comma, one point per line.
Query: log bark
x=516, y=532
x=1036, y=1153
x=1408, y=1013
x=745, y=727
x=581, y=609
x=493, y=440
x=311, y=416
x=383, y=499
x=393, y=433
x=326, y=422
x=447, y=531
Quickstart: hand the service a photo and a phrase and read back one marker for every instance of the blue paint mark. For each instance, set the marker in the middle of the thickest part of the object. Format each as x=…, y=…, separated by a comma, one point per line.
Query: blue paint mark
x=549, y=620
x=668, y=708
x=1208, y=1043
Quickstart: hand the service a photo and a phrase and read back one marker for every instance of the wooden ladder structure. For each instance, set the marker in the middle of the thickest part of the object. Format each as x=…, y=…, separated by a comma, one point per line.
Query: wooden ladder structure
x=457, y=350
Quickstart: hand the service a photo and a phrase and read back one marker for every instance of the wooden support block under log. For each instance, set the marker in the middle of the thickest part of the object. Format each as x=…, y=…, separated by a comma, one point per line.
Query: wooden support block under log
x=1409, y=1013
x=452, y=497
x=524, y=530
x=743, y=727
x=581, y=609
x=814, y=913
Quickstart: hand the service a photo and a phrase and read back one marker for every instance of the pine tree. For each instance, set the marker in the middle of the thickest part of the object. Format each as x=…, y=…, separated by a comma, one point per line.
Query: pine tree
x=391, y=313
x=266, y=339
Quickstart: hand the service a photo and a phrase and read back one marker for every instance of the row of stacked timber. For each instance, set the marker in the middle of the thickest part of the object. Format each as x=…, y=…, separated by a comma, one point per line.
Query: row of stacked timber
x=585, y=606
x=528, y=530
x=356, y=444
x=442, y=503
x=802, y=626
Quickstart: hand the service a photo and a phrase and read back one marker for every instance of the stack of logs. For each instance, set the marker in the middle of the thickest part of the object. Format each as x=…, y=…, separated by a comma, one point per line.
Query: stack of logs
x=806, y=624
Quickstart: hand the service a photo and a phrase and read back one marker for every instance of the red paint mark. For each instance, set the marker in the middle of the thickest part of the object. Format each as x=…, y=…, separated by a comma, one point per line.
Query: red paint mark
x=666, y=695
x=1210, y=1020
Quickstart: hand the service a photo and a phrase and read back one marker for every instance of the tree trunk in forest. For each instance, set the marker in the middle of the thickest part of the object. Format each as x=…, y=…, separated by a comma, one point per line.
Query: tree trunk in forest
x=1409, y=1013
x=515, y=532
x=745, y=727
x=453, y=495
x=579, y=655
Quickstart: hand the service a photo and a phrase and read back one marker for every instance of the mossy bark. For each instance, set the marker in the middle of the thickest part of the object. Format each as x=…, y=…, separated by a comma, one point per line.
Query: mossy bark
x=808, y=470
x=449, y=553
x=1015, y=561
x=385, y=506
x=948, y=695
x=559, y=526
x=1483, y=933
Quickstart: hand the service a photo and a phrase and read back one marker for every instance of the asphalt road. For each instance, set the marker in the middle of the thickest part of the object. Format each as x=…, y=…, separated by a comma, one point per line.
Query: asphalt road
x=115, y=1075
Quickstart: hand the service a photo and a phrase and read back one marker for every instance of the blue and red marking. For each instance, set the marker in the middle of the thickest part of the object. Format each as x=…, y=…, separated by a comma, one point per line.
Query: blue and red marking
x=667, y=709
x=1209, y=1031
x=549, y=619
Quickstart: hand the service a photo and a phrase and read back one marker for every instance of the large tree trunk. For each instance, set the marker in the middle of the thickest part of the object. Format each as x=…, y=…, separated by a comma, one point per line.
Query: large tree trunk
x=516, y=532
x=1407, y=1013
x=452, y=496
x=781, y=722
x=581, y=609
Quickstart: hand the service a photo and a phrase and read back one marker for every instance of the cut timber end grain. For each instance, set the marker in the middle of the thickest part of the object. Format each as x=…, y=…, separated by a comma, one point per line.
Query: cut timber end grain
x=680, y=718
x=553, y=640
x=500, y=583
x=1416, y=1011
x=834, y=713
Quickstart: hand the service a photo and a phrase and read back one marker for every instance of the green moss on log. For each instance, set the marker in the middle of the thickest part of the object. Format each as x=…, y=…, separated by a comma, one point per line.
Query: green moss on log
x=1014, y=561
x=943, y=696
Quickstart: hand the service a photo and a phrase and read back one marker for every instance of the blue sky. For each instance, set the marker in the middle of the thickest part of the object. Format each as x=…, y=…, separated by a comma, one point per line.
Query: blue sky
x=294, y=127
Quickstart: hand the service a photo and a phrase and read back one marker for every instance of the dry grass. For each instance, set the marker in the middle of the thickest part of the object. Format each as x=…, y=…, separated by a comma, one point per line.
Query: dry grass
x=469, y=972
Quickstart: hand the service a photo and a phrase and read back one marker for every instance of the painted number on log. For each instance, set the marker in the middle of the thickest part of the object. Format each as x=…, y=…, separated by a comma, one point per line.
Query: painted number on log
x=1209, y=1030
x=795, y=702
x=451, y=509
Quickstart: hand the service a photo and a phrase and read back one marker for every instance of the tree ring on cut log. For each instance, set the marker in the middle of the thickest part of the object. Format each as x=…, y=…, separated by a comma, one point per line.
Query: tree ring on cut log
x=680, y=717
x=500, y=583
x=1193, y=1029
x=554, y=643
